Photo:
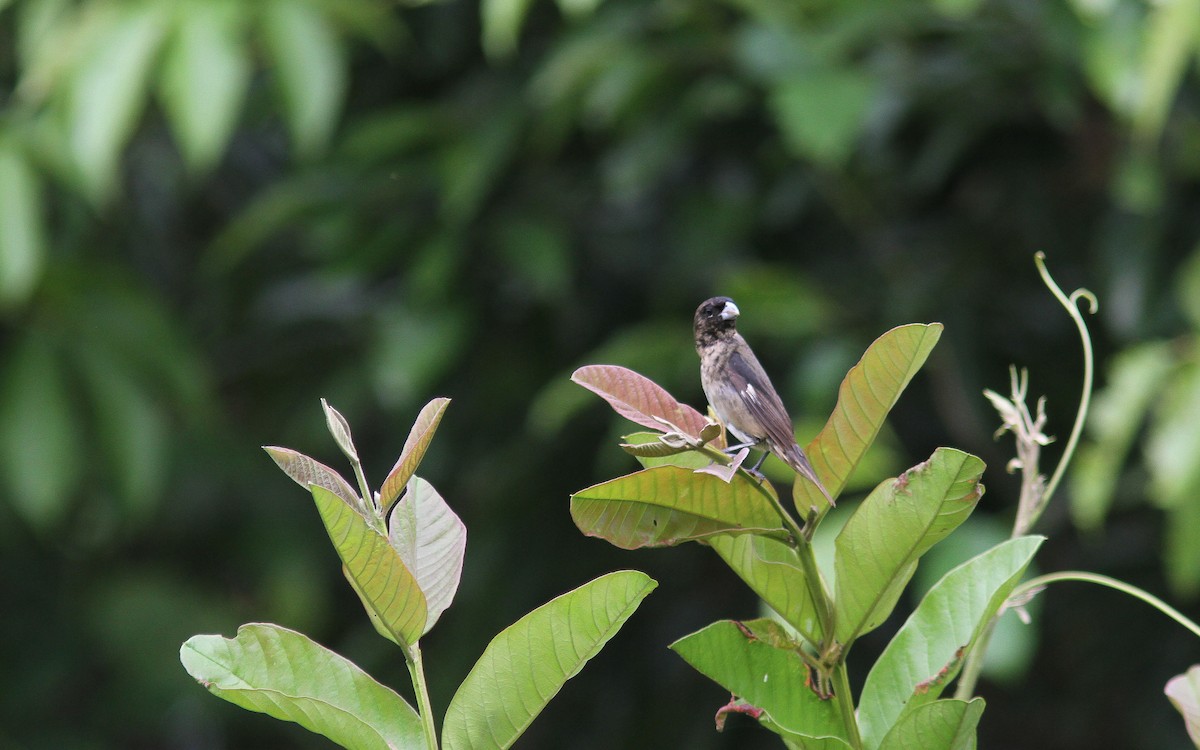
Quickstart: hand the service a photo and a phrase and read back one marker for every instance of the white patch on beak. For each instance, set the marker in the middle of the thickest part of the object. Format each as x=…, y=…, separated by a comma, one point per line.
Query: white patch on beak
x=730, y=311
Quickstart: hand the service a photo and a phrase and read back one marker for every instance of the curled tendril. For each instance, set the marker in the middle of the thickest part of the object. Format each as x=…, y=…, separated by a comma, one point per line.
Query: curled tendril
x=1071, y=304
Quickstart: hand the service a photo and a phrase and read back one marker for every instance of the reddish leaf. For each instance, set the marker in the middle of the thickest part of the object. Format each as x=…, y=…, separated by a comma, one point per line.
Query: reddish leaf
x=415, y=446
x=306, y=472
x=639, y=399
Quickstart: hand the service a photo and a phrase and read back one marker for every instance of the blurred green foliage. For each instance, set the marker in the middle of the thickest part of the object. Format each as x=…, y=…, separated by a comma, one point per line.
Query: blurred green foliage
x=213, y=212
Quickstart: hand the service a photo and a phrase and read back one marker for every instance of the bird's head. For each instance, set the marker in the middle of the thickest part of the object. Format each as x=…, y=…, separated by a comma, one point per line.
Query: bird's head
x=715, y=319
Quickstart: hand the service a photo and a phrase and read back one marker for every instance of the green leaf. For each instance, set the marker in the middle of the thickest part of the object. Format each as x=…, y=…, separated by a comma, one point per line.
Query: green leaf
x=1170, y=42
x=821, y=112
x=41, y=449
x=667, y=505
x=204, y=78
x=306, y=472
x=22, y=234
x=1136, y=378
x=284, y=674
x=757, y=663
x=1184, y=693
x=384, y=583
x=941, y=725
x=501, y=21
x=528, y=662
x=1173, y=442
x=109, y=90
x=772, y=569
x=867, y=394
x=132, y=429
x=414, y=449
x=639, y=399
x=928, y=650
x=431, y=540
x=877, y=551
x=310, y=70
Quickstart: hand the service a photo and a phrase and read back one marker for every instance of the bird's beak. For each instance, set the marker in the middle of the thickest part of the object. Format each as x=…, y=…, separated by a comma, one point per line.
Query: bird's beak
x=731, y=311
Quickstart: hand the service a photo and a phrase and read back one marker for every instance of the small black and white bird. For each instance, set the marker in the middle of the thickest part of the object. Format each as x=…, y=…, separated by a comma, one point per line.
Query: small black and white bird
x=740, y=392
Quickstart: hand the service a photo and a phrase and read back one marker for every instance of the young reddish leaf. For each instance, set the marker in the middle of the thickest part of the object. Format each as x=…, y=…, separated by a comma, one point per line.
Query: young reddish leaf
x=415, y=446
x=639, y=399
x=339, y=428
x=666, y=505
x=305, y=472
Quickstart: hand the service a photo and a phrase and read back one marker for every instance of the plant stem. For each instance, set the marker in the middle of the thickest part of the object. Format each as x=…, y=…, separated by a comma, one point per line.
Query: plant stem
x=1071, y=305
x=845, y=701
x=965, y=689
x=417, y=670
x=1078, y=575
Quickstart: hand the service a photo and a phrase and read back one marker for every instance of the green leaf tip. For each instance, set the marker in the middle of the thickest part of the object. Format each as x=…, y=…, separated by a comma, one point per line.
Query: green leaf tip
x=529, y=661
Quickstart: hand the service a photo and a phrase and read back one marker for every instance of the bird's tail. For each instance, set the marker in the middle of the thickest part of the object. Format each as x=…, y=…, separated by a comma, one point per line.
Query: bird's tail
x=795, y=458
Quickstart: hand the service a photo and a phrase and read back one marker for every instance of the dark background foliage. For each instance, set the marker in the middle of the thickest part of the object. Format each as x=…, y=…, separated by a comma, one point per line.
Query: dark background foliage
x=378, y=204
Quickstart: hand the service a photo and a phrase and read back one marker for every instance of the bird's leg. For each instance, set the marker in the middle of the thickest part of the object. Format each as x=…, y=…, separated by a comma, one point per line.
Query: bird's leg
x=759, y=463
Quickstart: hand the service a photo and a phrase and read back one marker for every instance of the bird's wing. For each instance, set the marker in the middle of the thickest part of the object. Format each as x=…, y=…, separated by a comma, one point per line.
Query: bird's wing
x=759, y=397
x=764, y=405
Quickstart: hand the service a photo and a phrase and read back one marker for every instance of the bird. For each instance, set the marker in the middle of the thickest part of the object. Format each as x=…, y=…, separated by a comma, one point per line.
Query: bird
x=740, y=392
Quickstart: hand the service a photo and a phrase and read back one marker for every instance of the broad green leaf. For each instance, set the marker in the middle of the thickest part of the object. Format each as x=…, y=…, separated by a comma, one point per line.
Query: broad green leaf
x=941, y=725
x=1135, y=378
x=1170, y=45
x=667, y=505
x=1173, y=442
x=382, y=580
x=501, y=21
x=284, y=674
x=928, y=651
x=797, y=741
x=639, y=399
x=431, y=540
x=306, y=472
x=528, y=662
x=41, y=449
x=867, y=394
x=1184, y=693
x=414, y=449
x=132, y=429
x=109, y=91
x=310, y=70
x=821, y=112
x=772, y=569
x=757, y=663
x=22, y=235
x=877, y=551
x=1173, y=459
x=204, y=78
